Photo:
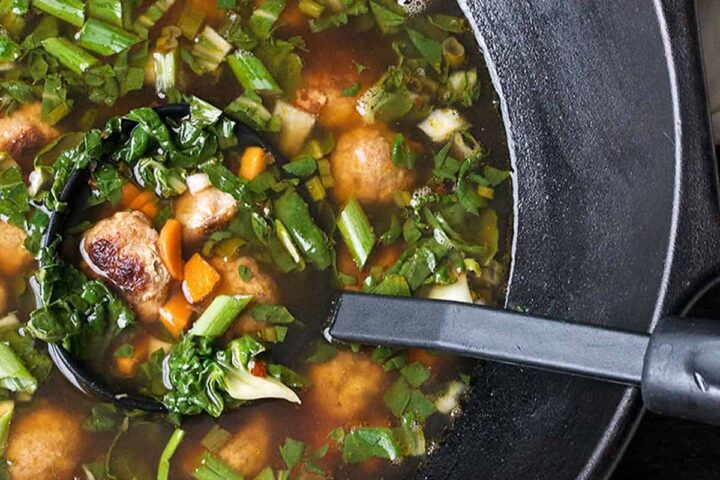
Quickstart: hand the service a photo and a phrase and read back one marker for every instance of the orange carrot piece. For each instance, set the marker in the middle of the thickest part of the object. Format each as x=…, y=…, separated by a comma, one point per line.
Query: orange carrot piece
x=138, y=202
x=127, y=366
x=128, y=194
x=170, y=247
x=200, y=279
x=175, y=314
x=150, y=209
x=252, y=163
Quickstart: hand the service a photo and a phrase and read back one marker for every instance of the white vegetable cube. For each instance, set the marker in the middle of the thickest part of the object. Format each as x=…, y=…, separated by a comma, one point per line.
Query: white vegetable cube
x=295, y=127
x=442, y=123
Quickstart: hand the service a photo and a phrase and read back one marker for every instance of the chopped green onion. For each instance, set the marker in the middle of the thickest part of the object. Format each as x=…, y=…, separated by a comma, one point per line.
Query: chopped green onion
x=166, y=69
x=7, y=408
x=212, y=468
x=104, y=39
x=263, y=18
x=363, y=443
x=210, y=49
x=316, y=189
x=351, y=91
x=110, y=11
x=219, y=315
x=403, y=156
x=55, y=105
x=387, y=21
x=149, y=17
x=251, y=73
x=356, y=231
x=311, y=8
x=163, y=472
x=453, y=52
x=286, y=240
x=190, y=20
x=302, y=167
x=325, y=173
x=71, y=11
x=293, y=212
x=13, y=374
x=69, y=54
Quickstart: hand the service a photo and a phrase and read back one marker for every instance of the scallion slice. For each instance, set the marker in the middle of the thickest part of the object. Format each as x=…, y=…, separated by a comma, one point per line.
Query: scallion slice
x=219, y=315
x=163, y=472
x=356, y=231
x=69, y=54
x=251, y=73
x=7, y=408
x=264, y=17
x=71, y=11
x=210, y=49
x=149, y=17
x=110, y=11
x=104, y=39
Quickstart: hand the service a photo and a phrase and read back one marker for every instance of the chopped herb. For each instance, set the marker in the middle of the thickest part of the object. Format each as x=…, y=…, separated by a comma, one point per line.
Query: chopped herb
x=124, y=351
x=351, y=91
x=272, y=314
x=403, y=156
x=292, y=451
x=363, y=443
x=430, y=49
x=104, y=417
x=323, y=352
x=245, y=273
x=415, y=373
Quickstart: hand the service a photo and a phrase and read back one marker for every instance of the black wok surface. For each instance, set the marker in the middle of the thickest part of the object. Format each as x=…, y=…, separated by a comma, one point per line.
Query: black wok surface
x=617, y=221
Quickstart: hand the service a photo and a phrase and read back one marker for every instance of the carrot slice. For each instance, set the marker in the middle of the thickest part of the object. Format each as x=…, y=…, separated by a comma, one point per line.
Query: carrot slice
x=141, y=200
x=127, y=366
x=175, y=314
x=252, y=163
x=150, y=209
x=128, y=194
x=200, y=279
x=170, y=247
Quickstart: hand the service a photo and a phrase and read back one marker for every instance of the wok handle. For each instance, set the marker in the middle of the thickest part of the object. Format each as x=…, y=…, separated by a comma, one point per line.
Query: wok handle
x=681, y=376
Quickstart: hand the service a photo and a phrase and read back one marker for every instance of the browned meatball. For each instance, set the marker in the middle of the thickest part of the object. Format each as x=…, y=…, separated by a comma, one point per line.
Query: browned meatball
x=202, y=213
x=45, y=444
x=3, y=297
x=23, y=133
x=122, y=249
x=14, y=258
x=346, y=385
x=260, y=285
x=362, y=165
x=247, y=450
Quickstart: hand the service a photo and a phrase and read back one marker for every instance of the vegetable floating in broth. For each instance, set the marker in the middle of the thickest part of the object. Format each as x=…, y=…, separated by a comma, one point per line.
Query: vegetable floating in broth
x=198, y=268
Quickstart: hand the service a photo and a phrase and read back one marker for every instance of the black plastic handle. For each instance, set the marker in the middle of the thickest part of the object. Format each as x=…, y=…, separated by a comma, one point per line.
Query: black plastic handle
x=678, y=367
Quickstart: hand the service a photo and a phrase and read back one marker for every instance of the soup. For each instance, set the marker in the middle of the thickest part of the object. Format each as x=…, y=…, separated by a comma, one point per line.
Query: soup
x=197, y=265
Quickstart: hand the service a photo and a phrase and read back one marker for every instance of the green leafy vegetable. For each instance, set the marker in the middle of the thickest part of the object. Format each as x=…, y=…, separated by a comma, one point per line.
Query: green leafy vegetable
x=403, y=155
x=272, y=314
x=251, y=73
x=430, y=49
x=212, y=468
x=293, y=212
x=323, y=352
x=351, y=91
x=363, y=443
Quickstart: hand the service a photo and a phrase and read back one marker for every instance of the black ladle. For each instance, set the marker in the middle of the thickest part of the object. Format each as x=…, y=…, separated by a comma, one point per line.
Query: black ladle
x=74, y=194
x=677, y=367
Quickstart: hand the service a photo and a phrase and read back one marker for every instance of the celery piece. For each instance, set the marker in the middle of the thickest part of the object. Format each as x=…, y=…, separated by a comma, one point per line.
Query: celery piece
x=149, y=17
x=210, y=49
x=356, y=231
x=263, y=18
x=109, y=11
x=71, y=11
x=69, y=54
x=219, y=315
x=104, y=39
x=7, y=408
x=190, y=20
x=251, y=73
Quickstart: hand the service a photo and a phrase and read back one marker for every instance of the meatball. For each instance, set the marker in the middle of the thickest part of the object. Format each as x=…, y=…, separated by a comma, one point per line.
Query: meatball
x=345, y=386
x=247, y=450
x=202, y=213
x=361, y=165
x=45, y=444
x=23, y=133
x=123, y=250
x=3, y=297
x=260, y=285
x=14, y=258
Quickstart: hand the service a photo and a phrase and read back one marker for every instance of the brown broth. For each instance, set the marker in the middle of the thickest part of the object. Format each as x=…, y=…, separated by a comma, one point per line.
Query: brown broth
x=305, y=294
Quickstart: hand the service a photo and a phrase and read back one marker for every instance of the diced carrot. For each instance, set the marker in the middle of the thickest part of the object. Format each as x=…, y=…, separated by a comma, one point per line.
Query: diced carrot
x=175, y=314
x=150, y=209
x=200, y=279
x=138, y=202
x=127, y=366
x=170, y=247
x=252, y=163
x=128, y=194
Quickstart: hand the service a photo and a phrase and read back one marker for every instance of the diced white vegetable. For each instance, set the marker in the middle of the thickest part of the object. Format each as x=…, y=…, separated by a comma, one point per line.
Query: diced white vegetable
x=197, y=182
x=449, y=401
x=456, y=292
x=295, y=127
x=442, y=123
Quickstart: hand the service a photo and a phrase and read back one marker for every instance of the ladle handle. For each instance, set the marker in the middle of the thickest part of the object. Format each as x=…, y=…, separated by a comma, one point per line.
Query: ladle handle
x=491, y=334
x=681, y=377
x=678, y=367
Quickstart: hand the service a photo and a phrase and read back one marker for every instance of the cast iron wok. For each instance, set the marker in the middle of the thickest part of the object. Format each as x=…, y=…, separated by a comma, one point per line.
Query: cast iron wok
x=616, y=222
